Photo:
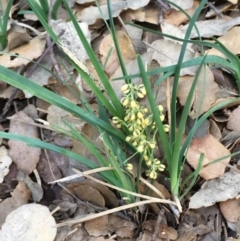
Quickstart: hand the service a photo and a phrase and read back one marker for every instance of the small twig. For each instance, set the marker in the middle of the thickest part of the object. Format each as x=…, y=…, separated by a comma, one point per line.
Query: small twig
x=210, y=5
x=164, y=5
x=156, y=228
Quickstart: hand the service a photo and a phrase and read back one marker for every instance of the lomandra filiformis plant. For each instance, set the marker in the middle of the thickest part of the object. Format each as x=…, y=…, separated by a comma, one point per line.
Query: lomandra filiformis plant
x=140, y=126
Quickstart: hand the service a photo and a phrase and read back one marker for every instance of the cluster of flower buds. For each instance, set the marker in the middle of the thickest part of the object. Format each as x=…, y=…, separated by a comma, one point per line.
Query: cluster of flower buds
x=140, y=125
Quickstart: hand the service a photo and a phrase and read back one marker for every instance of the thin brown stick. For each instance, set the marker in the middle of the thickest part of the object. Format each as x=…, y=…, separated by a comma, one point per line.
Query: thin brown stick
x=156, y=228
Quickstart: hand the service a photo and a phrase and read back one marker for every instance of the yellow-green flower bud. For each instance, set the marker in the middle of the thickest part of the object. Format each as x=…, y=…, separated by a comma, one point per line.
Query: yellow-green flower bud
x=115, y=120
x=136, y=133
x=132, y=117
x=139, y=122
x=153, y=175
x=129, y=166
x=125, y=101
x=118, y=126
x=142, y=89
x=145, y=110
x=146, y=158
x=130, y=128
x=126, y=118
x=162, y=117
x=134, y=143
x=140, y=115
x=133, y=104
x=152, y=145
x=161, y=167
x=140, y=95
x=146, y=121
x=160, y=108
x=156, y=162
x=148, y=163
x=128, y=138
x=166, y=128
x=140, y=148
x=125, y=88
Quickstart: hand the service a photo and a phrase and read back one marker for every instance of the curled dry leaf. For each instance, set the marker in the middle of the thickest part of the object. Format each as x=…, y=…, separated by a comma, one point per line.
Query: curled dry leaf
x=26, y=53
x=212, y=150
x=20, y=196
x=220, y=189
x=5, y=162
x=24, y=156
x=29, y=222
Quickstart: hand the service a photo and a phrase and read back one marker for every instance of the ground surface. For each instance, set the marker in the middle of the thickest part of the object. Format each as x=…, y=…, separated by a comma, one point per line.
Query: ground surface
x=30, y=176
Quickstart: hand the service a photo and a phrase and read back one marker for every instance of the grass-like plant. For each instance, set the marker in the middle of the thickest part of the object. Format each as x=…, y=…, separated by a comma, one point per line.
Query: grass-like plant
x=120, y=142
x=4, y=17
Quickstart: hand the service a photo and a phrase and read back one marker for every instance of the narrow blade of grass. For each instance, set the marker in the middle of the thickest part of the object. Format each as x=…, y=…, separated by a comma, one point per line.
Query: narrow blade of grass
x=41, y=144
x=22, y=83
x=154, y=110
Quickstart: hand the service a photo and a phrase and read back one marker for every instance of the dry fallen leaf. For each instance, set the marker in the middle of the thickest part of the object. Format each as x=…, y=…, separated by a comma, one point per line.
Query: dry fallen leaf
x=166, y=53
x=110, y=224
x=132, y=68
x=17, y=36
x=26, y=53
x=230, y=41
x=183, y=4
x=205, y=92
x=24, y=156
x=5, y=162
x=178, y=17
x=20, y=196
x=164, y=231
x=230, y=209
x=29, y=222
x=210, y=28
x=59, y=166
x=98, y=226
x=41, y=75
x=56, y=115
x=233, y=122
x=212, y=150
x=34, y=187
x=220, y=189
x=70, y=40
x=91, y=14
x=110, y=199
x=126, y=47
x=89, y=194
